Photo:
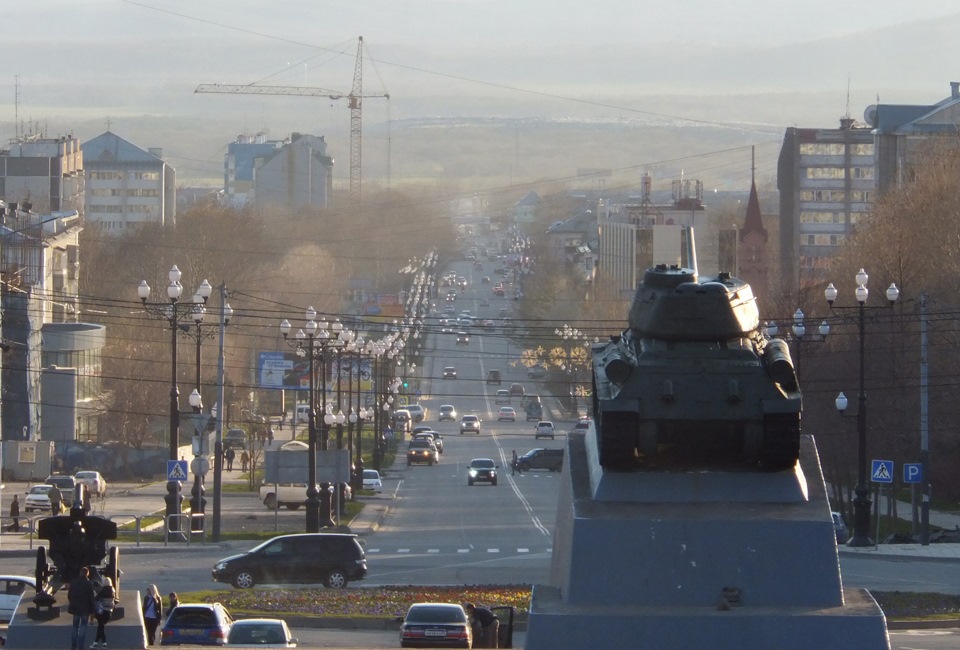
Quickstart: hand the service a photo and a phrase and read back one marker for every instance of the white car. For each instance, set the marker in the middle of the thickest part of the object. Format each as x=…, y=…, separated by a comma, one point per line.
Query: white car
x=38, y=498
x=96, y=484
x=544, y=430
x=371, y=480
x=11, y=589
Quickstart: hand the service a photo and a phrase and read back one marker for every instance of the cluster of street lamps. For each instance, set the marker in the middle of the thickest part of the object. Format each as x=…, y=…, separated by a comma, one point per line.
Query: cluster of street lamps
x=798, y=329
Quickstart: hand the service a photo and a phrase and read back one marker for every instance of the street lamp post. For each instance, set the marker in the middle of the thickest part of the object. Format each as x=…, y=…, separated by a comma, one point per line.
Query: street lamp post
x=799, y=331
x=313, y=342
x=861, y=503
x=173, y=312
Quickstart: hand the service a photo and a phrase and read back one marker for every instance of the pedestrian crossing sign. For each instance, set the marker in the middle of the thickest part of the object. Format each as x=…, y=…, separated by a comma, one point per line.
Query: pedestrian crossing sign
x=176, y=470
x=882, y=471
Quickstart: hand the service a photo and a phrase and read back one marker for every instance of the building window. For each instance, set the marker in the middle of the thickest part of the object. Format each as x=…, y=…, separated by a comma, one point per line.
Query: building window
x=821, y=149
x=26, y=453
x=826, y=172
x=862, y=172
x=865, y=149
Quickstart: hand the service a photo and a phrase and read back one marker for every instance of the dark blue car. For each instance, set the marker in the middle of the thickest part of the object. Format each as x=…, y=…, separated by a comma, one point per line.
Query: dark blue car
x=197, y=624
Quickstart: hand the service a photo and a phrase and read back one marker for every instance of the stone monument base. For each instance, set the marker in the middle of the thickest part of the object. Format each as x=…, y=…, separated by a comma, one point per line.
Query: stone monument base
x=125, y=630
x=694, y=559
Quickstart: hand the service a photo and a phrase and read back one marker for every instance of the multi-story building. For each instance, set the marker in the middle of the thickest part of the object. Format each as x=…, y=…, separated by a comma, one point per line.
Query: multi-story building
x=828, y=178
x=46, y=173
x=239, y=165
x=127, y=186
x=299, y=174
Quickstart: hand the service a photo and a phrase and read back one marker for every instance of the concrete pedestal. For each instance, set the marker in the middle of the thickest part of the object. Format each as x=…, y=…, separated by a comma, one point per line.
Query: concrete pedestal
x=125, y=630
x=683, y=559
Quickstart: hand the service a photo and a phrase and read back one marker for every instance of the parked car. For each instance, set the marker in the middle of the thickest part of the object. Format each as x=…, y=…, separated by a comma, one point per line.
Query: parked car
x=448, y=412
x=470, y=424
x=12, y=587
x=422, y=450
x=261, y=633
x=502, y=396
x=96, y=484
x=372, y=481
x=237, y=438
x=840, y=527
x=507, y=414
x=449, y=372
x=494, y=377
x=516, y=389
x=196, y=624
x=302, y=414
x=66, y=483
x=333, y=559
x=416, y=412
x=435, y=625
x=482, y=469
x=38, y=498
x=550, y=459
x=544, y=430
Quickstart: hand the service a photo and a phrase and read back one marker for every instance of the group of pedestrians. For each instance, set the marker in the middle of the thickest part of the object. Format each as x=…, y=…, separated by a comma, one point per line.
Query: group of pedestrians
x=86, y=601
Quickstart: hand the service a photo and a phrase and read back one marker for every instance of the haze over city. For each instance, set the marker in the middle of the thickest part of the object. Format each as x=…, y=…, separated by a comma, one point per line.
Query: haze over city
x=85, y=66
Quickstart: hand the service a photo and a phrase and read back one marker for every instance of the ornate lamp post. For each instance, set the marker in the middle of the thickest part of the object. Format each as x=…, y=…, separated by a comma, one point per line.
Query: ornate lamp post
x=799, y=331
x=861, y=503
x=313, y=342
x=173, y=312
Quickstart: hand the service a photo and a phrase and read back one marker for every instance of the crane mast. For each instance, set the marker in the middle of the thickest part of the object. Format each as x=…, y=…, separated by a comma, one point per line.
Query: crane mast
x=355, y=102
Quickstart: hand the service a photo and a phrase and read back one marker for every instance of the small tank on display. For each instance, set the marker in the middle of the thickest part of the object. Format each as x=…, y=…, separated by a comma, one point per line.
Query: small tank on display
x=693, y=374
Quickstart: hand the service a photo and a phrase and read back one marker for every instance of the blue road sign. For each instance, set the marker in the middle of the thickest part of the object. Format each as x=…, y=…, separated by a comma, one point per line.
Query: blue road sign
x=913, y=473
x=882, y=471
x=177, y=470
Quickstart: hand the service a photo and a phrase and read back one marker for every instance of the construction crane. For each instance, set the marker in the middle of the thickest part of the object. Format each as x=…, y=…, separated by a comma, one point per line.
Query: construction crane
x=355, y=101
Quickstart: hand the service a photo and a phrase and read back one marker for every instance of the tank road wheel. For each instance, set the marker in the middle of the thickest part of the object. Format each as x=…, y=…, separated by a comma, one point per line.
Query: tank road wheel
x=244, y=579
x=113, y=568
x=336, y=579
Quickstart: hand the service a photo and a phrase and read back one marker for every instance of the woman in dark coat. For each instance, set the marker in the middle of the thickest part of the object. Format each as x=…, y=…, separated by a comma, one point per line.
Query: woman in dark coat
x=152, y=613
x=106, y=601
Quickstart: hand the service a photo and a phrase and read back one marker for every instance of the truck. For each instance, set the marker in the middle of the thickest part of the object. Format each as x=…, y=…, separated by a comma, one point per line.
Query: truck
x=289, y=495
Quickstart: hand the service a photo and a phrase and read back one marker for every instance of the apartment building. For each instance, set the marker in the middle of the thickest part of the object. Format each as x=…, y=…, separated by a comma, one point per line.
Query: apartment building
x=45, y=172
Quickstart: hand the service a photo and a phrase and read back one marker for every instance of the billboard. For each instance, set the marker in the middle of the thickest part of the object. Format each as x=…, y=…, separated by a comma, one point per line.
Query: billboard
x=283, y=370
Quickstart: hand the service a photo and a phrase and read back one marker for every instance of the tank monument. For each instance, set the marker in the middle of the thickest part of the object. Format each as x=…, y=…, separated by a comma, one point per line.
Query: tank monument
x=694, y=513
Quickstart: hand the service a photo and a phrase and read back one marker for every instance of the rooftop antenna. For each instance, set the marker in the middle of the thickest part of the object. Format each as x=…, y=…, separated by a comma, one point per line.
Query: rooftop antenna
x=848, y=97
x=16, y=105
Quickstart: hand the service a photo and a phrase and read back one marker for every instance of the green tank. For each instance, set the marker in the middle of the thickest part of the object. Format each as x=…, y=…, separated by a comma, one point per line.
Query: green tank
x=693, y=373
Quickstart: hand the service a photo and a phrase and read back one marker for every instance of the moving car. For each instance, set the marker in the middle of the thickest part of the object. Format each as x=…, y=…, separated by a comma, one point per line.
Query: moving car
x=463, y=338
x=470, y=424
x=536, y=372
x=516, y=389
x=96, y=484
x=237, y=438
x=422, y=450
x=333, y=559
x=494, y=377
x=448, y=412
x=482, y=469
x=435, y=625
x=38, y=498
x=507, y=413
x=11, y=589
x=502, y=396
x=416, y=412
x=544, y=430
x=196, y=624
x=434, y=436
x=449, y=372
x=372, y=481
x=290, y=495
x=551, y=459
x=583, y=424
x=261, y=633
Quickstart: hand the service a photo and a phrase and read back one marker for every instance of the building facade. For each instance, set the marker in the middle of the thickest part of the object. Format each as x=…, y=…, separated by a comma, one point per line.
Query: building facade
x=127, y=186
x=45, y=174
x=239, y=165
x=299, y=174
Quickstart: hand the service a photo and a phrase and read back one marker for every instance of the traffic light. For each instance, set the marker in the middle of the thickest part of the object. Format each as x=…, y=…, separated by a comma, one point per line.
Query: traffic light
x=406, y=384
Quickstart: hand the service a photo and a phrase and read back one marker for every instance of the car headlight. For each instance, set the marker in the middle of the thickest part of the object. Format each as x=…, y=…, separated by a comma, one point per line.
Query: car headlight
x=220, y=566
x=473, y=472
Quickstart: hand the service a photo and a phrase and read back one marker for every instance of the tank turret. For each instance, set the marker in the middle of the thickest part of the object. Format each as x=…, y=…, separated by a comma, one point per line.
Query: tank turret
x=693, y=371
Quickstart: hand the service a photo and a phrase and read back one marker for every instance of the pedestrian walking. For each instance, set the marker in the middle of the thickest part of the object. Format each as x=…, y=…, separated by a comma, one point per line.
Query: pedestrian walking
x=152, y=612
x=106, y=601
x=174, y=601
x=487, y=626
x=81, y=602
x=15, y=513
x=270, y=435
x=56, y=498
x=244, y=460
x=513, y=463
x=231, y=454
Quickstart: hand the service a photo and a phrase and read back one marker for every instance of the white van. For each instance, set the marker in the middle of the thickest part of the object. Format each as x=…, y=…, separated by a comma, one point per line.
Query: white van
x=402, y=420
x=302, y=413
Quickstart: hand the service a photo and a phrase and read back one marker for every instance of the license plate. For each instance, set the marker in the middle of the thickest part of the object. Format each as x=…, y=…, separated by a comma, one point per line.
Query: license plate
x=435, y=633
x=186, y=631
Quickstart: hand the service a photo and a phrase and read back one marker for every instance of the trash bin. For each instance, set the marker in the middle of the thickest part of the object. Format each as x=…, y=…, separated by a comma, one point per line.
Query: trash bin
x=506, y=614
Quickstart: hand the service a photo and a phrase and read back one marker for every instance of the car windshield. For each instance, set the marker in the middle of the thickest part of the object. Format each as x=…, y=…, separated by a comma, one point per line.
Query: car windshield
x=482, y=463
x=371, y=474
x=256, y=633
x=469, y=418
x=86, y=475
x=40, y=489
